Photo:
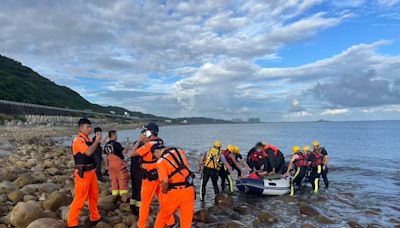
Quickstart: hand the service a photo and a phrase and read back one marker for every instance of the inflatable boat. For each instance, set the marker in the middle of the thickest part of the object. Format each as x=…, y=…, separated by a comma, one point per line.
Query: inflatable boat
x=268, y=186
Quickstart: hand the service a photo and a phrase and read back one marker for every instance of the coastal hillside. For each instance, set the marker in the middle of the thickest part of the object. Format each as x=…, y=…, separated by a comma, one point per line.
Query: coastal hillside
x=20, y=83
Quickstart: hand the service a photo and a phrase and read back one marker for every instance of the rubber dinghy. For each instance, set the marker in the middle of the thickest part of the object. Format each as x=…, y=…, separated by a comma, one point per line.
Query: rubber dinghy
x=271, y=186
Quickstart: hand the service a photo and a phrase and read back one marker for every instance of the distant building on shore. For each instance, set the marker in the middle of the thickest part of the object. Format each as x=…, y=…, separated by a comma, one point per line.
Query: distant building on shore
x=168, y=121
x=184, y=122
x=254, y=120
x=237, y=120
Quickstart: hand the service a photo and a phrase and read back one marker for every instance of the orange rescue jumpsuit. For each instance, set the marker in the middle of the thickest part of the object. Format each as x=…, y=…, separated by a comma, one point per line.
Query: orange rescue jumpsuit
x=180, y=195
x=149, y=187
x=86, y=187
x=117, y=169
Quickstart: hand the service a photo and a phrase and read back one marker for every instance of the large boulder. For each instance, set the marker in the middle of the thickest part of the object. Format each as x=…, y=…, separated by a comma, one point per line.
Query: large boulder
x=325, y=220
x=7, y=187
x=243, y=210
x=103, y=225
x=53, y=171
x=24, y=179
x=223, y=200
x=267, y=217
x=55, y=201
x=7, y=175
x=308, y=210
x=235, y=224
x=24, y=213
x=15, y=196
x=46, y=223
x=107, y=203
x=201, y=216
x=49, y=187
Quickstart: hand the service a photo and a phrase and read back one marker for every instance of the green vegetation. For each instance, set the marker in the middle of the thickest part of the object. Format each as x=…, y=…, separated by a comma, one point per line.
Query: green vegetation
x=22, y=84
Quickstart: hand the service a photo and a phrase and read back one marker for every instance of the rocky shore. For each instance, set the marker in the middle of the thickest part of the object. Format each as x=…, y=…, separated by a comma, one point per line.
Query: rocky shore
x=37, y=186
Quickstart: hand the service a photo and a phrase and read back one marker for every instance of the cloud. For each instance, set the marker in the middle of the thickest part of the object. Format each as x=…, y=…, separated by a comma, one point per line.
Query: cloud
x=201, y=57
x=333, y=112
x=361, y=89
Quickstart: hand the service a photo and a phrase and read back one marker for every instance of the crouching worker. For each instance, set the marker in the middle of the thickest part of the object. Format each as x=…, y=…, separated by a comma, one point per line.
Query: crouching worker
x=85, y=176
x=117, y=167
x=177, y=185
x=226, y=172
x=300, y=162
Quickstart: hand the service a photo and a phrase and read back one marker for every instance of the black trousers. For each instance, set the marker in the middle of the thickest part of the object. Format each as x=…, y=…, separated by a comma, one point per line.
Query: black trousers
x=99, y=161
x=314, y=177
x=225, y=175
x=136, y=181
x=234, y=167
x=207, y=174
x=300, y=173
x=324, y=174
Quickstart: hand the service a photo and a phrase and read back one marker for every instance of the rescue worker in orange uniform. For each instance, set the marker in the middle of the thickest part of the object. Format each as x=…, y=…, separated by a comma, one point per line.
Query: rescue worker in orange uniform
x=177, y=185
x=85, y=175
x=151, y=183
x=300, y=162
x=117, y=165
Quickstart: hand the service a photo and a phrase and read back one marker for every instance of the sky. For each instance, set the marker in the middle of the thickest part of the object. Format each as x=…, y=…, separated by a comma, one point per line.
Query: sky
x=281, y=60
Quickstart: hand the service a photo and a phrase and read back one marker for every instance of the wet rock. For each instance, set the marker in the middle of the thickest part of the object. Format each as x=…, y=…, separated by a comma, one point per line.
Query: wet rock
x=7, y=187
x=373, y=225
x=24, y=213
x=371, y=213
x=266, y=217
x=64, y=212
x=235, y=224
x=49, y=187
x=5, y=219
x=242, y=210
x=223, y=200
x=308, y=210
x=121, y=225
x=325, y=220
x=107, y=203
x=125, y=207
x=31, y=188
x=307, y=226
x=256, y=223
x=129, y=220
x=55, y=201
x=103, y=225
x=49, y=214
x=150, y=221
x=29, y=197
x=394, y=221
x=24, y=179
x=201, y=225
x=201, y=216
x=7, y=175
x=47, y=223
x=322, y=198
x=15, y=196
x=125, y=198
x=288, y=199
x=53, y=171
x=353, y=224
x=3, y=226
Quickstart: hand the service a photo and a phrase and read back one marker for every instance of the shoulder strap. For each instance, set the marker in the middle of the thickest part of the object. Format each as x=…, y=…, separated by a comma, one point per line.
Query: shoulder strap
x=180, y=165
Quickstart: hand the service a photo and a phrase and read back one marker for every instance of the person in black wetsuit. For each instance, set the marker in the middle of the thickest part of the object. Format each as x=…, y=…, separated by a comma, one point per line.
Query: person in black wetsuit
x=98, y=156
x=276, y=160
x=325, y=159
x=136, y=181
x=257, y=158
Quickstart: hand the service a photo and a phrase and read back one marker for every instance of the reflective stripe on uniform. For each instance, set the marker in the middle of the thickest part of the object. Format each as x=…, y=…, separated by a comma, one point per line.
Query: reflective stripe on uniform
x=292, y=181
x=114, y=192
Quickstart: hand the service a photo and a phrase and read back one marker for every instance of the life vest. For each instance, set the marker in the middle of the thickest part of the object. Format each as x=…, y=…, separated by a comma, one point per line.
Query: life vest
x=258, y=156
x=302, y=161
x=317, y=159
x=153, y=159
x=212, y=159
x=272, y=147
x=179, y=167
x=227, y=156
x=149, y=165
x=82, y=159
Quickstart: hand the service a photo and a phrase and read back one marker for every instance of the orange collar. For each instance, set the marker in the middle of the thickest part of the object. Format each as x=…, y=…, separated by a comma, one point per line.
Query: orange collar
x=84, y=136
